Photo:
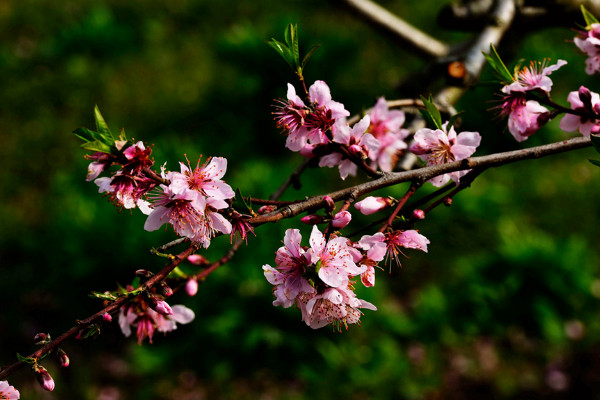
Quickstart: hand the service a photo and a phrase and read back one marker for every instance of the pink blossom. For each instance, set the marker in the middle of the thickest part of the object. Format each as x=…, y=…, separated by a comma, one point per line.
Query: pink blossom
x=8, y=392
x=337, y=306
x=371, y=204
x=438, y=146
x=308, y=124
x=146, y=320
x=107, y=317
x=341, y=219
x=584, y=101
x=356, y=138
x=333, y=259
x=126, y=190
x=410, y=239
x=162, y=307
x=312, y=219
x=204, y=180
x=533, y=77
x=138, y=158
x=386, y=128
x=525, y=117
x=375, y=248
x=43, y=377
x=589, y=43
x=101, y=162
x=197, y=259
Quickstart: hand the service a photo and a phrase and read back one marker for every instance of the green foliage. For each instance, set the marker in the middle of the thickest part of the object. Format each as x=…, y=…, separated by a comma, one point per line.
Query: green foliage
x=290, y=50
x=589, y=17
x=431, y=114
x=498, y=67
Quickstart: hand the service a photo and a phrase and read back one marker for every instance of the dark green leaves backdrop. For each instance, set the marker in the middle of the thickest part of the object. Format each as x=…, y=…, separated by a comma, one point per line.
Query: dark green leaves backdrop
x=505, y=305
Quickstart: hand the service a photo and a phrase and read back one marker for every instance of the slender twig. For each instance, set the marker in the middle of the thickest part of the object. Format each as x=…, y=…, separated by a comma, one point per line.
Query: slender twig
x=411, y=190
x=416, y=38
x=293, y=178
x=111, y=308
x=201, y=276
x=425, y=173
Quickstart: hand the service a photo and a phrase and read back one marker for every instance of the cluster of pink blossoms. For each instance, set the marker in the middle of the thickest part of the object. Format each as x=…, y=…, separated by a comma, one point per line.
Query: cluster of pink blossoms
x=147, y=318
x=192, y=200
x=318, y=279
x=526, y=116
x=589, y=42
x=8, y=392
x=320, y=129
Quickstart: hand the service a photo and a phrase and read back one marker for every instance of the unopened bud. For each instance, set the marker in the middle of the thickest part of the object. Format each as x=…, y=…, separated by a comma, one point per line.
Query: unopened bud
x=357, y=151
x=418, y=214
x=41, y=339
x=197, y=259
x=312, y=219
x=191, y=287
x=43, y=377
x=372, y=204
x=160, y=306
x=165, y=289
x=107, y=317
x=448, y=201
x=328, y=203
x=142, y=273
x=63, y=359
x=266, y=209
x=341, y=219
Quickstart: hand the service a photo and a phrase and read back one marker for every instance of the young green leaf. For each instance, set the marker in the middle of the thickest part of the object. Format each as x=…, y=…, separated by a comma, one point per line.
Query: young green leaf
x=101, y=125
x=453, y=119
x=310, y=53
x=595, y=162
x=498, y=66
x=97, y=146
x=596, y=142
x=87, y=135
x=283, y=51
x=431, y=113
x=589, y=17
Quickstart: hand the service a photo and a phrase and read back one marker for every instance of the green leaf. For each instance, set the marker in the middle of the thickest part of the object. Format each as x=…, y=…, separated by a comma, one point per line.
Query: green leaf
x=27, y=360
x=240, y=203
x=101, y=125
x=97, y=145
x=595, y=162
x=291, y=38
x=431, y=113
x=103, y=296
x=283, y=51
x=87, y=135
x=589, y=17
x=596, y=142
x=310, y=53
x=453, y=119
x=498, y=66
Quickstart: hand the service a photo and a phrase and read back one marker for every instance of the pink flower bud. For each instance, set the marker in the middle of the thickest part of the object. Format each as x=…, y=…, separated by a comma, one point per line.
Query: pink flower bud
x=266, y=209
x=197, y=259
x=341, y=219
x=312, y=219
x=191, y=287
x=107, y=317
x=142, y=273
x=165, y=289
x=63, y=359
x=162, y=307
x=357, y=151
x=41, y=339
x=448, y=201
x=418, y=214
x=372, y=204
x=328, y=203
x=43, y=377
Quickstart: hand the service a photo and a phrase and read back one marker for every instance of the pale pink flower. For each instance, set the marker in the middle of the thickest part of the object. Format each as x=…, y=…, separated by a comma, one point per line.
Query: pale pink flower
x=585, y=101
x=533, y=77
x=146, y=320
x=371, y=204
x=341, y=219
x=126, y=190
x=8, y=392
x=438, y=146
x=375, y=248
x=138, y=158
x=205, y=179
x=338, y=306
x=525, y=117
x=333, y=259
x=101, y=162
x=391, y=243
x=589, y=42
x=308, y=124
x=357, y=141
x=386, y=128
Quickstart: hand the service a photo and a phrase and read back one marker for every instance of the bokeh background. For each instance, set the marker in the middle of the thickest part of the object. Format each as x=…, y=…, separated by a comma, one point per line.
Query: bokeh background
x=504, y=306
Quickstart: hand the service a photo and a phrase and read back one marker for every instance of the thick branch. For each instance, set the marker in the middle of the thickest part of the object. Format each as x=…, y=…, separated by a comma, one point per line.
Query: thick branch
x=390, y=179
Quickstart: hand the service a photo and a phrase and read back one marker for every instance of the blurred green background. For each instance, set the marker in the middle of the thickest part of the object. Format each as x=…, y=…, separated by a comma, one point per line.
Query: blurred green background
x=504, y=306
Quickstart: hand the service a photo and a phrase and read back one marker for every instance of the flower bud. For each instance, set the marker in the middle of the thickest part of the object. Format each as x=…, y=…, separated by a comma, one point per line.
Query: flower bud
x=266, y=209
x=142, y=273
x=107, y=317
x=328, y=203
x=165, y=289
x=418, y=214
x=448, y=201
x=357, y=151
x=41, y=339
x=63, y=359
x=197, y=259
x=160, y=306
x=372, y=204
x=341, y=219
x=191, y=287
x=43, y=377
x=312, y=219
